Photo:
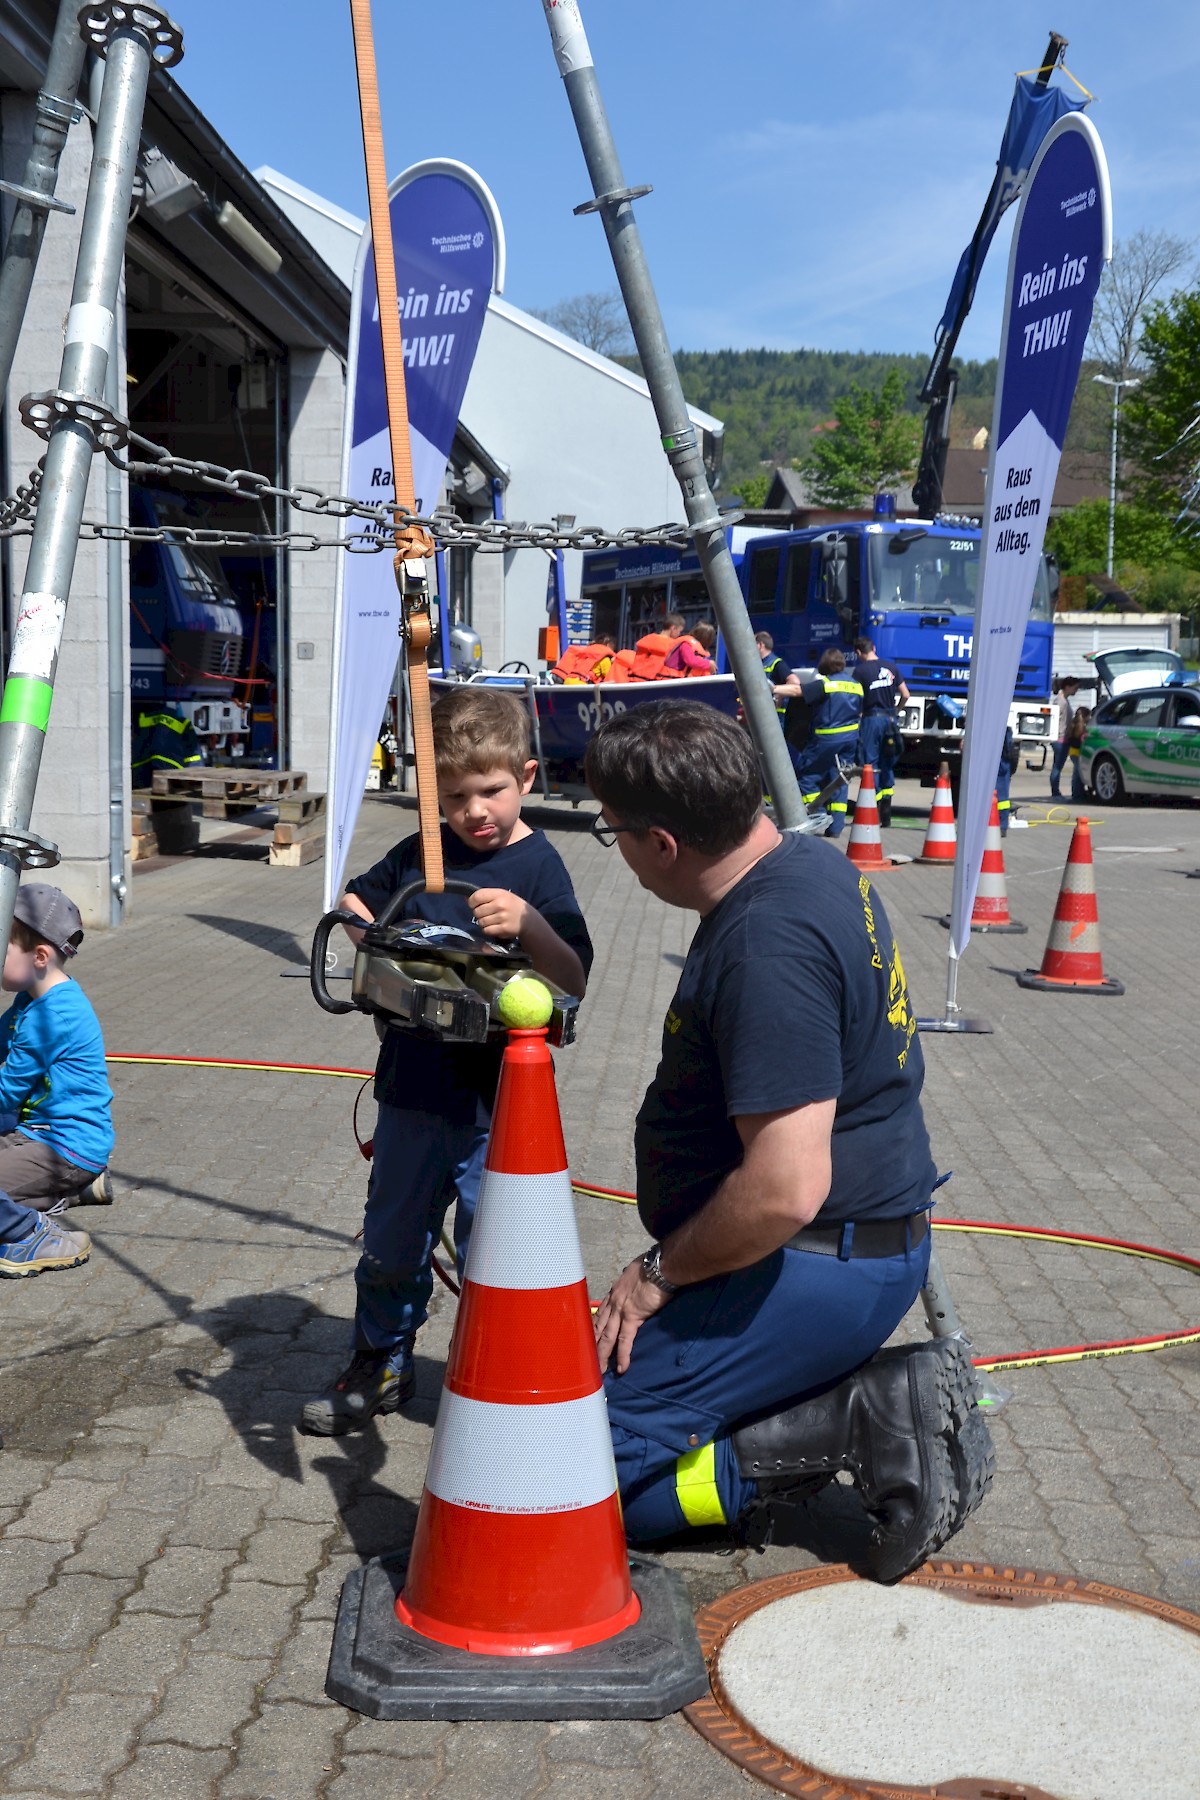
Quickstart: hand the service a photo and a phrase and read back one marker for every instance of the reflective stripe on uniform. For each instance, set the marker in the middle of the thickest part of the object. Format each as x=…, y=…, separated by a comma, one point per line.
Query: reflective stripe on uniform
x=696, y=1487
x=836, y=730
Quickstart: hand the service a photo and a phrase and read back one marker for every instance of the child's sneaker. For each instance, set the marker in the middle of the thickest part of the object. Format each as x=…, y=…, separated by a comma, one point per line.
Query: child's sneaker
x=97, y=1193
x=48, y=1246
x=371, y=1384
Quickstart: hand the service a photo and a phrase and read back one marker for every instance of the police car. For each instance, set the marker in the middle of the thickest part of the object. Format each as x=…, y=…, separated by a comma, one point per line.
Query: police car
x=1145, y=739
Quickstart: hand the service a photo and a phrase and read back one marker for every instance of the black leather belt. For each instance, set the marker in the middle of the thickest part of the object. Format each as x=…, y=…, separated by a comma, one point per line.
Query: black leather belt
x=863, y=1237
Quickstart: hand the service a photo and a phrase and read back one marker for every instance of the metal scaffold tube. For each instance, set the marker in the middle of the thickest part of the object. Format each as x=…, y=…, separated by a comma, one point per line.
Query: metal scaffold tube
x=75, y=420
x=613, y=200
x=55, y=113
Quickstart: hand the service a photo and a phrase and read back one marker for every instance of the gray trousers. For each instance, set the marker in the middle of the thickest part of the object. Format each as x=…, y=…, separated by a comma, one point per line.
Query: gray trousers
x=36, y=1174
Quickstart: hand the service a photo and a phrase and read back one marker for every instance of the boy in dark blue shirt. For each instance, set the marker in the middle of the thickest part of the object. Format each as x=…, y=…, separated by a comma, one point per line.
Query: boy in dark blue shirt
x=435, y=1098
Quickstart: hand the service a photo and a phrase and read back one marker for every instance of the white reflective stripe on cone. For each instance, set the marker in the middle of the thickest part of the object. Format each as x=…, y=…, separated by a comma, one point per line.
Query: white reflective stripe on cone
x=522, y=1459
x=524, y=1235
x=1067, y=939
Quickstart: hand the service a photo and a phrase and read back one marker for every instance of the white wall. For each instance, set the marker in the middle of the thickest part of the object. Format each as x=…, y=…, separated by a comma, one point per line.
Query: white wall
x=316, y=399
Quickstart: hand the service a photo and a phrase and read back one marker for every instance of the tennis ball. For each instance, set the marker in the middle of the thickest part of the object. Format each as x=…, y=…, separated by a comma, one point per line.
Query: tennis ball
x=524, y=1003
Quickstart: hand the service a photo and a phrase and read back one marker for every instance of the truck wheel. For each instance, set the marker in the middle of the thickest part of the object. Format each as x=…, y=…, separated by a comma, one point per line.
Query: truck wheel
x=1108, y=784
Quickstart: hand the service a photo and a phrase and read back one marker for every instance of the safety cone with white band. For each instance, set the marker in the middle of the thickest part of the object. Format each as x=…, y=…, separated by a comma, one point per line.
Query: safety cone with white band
x=941, y=838
x=865, y=849
x=519, y=1549
x=519, y=1598
x=990, y=911
x=1072, y=963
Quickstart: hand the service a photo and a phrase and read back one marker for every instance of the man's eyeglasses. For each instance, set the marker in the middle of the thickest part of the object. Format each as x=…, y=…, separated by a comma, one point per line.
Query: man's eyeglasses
x=606, y=834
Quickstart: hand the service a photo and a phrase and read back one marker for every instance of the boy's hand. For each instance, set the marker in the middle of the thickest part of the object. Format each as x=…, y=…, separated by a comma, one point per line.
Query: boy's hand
x=498, y=913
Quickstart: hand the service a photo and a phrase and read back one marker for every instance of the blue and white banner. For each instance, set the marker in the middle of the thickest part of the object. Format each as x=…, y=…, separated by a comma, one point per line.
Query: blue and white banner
x=1061, y=241
x=449, y=249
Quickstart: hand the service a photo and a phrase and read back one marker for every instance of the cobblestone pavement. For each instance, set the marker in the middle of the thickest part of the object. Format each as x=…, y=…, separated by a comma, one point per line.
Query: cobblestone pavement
x=172, y=1550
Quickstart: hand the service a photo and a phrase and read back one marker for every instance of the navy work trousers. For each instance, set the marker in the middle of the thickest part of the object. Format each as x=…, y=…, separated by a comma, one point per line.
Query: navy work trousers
x=871, y=735
x=741, y=1346
x=815, y=765
x=422, y=1162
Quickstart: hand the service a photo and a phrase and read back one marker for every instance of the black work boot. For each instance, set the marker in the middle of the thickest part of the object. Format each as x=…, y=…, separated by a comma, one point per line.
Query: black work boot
x=370, y=1384
x=907, y=1428
x=885, y=810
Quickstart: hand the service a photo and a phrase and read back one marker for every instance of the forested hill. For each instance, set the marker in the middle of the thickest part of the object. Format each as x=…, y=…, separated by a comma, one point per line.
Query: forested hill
x=770, y=400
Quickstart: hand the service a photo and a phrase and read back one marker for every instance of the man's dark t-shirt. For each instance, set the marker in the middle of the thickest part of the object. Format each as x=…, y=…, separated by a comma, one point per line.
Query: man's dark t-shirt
x=880, y=685
x=793, y=991
x=417, y=1069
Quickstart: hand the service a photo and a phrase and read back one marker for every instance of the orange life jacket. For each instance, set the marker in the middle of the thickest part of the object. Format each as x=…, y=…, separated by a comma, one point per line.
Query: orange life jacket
x=622, y=667
x=649, y=655
x=582, y=662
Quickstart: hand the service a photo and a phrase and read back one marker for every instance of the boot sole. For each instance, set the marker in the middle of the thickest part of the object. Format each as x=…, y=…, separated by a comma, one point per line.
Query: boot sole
x=26, y=1271
x=317, y=1421
x=972, y=1452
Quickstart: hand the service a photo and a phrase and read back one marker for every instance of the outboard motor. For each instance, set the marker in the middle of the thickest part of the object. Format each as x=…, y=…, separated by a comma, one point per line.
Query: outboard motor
x=466, y=650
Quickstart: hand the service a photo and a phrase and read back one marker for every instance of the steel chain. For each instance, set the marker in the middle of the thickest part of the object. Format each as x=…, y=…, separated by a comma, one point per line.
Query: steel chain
x=444, y=525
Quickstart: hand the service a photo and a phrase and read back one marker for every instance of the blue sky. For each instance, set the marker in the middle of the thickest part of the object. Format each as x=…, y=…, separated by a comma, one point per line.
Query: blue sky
x=818, y=165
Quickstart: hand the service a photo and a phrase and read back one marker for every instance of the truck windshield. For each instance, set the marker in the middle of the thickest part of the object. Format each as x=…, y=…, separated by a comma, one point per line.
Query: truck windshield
x=934, y=574
x=196, y=568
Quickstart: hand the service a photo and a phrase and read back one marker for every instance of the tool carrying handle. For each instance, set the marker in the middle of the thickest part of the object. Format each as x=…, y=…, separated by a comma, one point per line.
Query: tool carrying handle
x=316, y=965
x=450, y=885
x=418, y=885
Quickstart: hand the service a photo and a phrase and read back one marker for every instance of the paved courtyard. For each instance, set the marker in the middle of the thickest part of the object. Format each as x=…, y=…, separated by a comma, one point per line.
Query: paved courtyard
x=171, y=1550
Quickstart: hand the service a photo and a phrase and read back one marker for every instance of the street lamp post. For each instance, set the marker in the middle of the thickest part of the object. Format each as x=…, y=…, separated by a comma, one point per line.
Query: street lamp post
x=1128, y=381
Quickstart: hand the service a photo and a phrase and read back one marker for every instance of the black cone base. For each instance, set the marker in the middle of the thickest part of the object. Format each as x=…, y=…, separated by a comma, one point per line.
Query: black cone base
x=1032, y=978
x=381, y=1667
x=1013, y=929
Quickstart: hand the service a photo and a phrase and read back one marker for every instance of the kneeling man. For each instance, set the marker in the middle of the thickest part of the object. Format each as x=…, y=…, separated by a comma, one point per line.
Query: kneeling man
x=783, y=1172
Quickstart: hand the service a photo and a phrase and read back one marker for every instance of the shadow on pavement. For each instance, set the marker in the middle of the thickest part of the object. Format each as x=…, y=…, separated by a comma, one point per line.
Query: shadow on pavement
x=263, y=937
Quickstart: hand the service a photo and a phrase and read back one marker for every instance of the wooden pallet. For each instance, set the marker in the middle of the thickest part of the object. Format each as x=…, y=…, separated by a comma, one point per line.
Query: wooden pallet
x=250, y=787
x=299, y=831
x=294, y=856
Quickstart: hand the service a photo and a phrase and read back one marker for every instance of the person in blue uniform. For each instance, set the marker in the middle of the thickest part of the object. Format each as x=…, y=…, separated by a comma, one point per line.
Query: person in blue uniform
x=883, y=694
x=784, y=1176
x=821, y=725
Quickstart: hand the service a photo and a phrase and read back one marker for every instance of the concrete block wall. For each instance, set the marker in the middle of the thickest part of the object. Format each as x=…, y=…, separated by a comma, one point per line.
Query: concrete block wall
x=72, y=801
x=316, y=394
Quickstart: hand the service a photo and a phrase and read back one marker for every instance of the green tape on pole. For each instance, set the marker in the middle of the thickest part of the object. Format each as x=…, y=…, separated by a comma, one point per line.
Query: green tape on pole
x=26, y=702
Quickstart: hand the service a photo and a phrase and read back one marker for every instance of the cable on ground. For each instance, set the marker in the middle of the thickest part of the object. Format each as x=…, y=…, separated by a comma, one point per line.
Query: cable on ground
x=1018, y=1359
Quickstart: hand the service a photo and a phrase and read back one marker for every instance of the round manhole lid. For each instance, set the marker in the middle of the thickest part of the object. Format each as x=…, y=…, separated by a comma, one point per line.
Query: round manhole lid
x=1045, y=1687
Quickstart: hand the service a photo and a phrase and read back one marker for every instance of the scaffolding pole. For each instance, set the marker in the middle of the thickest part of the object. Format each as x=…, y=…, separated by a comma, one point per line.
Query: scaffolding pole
x=76, y=421
x=613, y=200
x=55, y=113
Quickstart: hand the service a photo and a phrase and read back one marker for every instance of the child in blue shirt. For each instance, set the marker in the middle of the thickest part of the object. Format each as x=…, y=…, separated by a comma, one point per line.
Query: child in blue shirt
x=55, y=1101
x=435, y=1098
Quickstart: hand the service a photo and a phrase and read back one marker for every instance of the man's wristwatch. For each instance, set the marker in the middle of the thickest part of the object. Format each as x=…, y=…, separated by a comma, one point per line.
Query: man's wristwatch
x=652, y=1270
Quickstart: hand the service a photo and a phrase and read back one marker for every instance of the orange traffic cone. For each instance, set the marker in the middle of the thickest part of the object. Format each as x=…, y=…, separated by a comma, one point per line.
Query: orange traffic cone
x=865, y=848
x=1072, y=960
x=990, y=911
x=519, y=1555
x=941, y=839
x=519, y=1549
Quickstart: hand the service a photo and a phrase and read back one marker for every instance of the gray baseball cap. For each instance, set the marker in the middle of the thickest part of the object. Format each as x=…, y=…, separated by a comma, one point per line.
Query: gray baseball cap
x=48, y=911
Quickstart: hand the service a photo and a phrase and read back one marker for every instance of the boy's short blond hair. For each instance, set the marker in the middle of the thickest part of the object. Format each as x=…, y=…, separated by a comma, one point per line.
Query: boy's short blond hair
x=476, y=729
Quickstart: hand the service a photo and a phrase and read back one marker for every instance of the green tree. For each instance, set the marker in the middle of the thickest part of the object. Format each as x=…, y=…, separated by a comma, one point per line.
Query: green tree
x=1142, y=536
x=1157, y=418
x=874, y=445
x=752, y=490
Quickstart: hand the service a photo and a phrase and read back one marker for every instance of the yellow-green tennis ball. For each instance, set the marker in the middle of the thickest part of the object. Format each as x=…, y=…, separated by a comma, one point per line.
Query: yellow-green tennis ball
x=524, y=1003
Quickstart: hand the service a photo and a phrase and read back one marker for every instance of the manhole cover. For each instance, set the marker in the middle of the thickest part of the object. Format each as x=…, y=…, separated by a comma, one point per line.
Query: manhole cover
x=965, y=1682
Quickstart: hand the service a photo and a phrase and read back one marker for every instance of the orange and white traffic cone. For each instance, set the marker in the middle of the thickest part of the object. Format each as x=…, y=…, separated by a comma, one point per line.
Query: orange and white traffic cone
x=519, y=1554
x=1072, y=961
x=865, y=849
x=990, y=911
x=519, y=1549
x=941, y=838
